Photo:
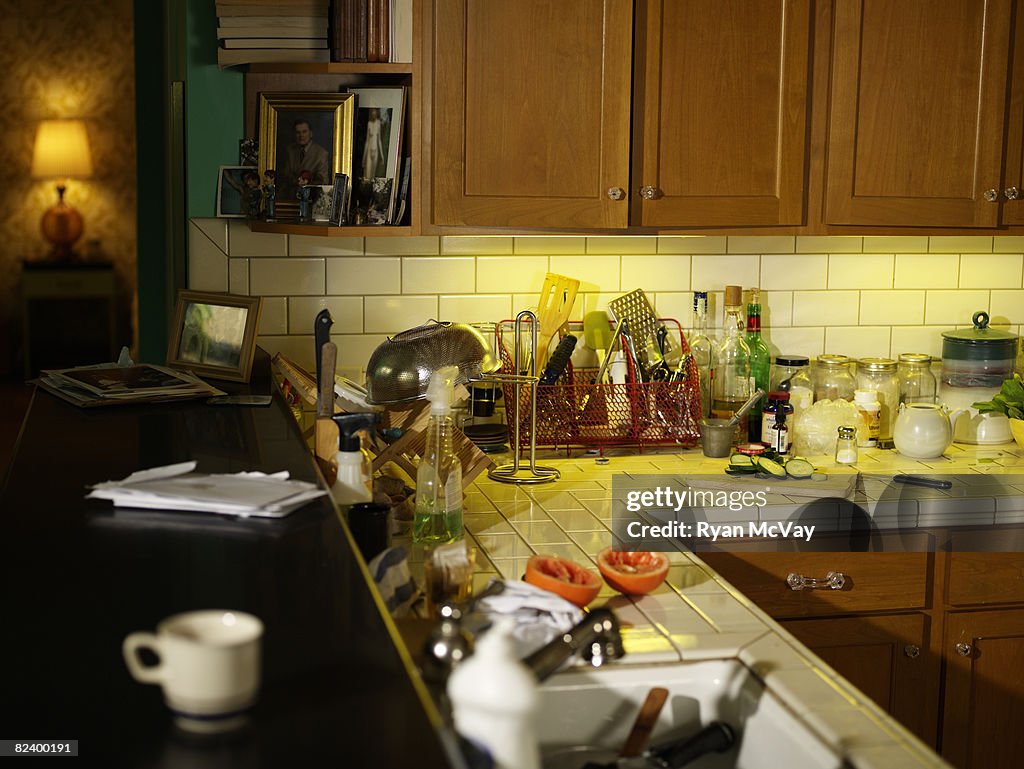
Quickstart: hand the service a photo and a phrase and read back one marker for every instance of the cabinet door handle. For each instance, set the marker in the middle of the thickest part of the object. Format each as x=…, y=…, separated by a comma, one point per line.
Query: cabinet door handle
x=1011, y=193
x=616, y=193
x=834, y=580
x=912, y=650
x=992, y=196
x=650, y=193
x=964, y=650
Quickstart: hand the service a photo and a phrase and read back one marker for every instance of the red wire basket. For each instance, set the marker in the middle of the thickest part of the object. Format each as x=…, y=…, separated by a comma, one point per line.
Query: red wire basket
x=579, y=412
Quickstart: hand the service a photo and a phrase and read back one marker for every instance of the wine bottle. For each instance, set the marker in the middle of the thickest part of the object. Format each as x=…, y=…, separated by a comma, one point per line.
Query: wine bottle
x=732, y=385
x=760, y=361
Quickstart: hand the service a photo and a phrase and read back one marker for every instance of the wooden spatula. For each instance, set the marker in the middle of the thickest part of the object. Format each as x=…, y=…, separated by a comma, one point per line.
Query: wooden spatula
x=556, y=300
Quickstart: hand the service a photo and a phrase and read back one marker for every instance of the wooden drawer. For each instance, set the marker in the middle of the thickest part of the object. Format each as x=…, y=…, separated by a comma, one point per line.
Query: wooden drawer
x=976, y=575
x=873, y=581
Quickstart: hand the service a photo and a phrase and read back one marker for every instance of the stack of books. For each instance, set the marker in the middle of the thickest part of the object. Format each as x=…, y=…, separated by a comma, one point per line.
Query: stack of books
x=371, y=30
x=272, y=30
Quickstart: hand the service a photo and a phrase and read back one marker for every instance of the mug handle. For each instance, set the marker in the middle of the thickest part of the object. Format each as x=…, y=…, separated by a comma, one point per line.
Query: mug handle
x=147, y=674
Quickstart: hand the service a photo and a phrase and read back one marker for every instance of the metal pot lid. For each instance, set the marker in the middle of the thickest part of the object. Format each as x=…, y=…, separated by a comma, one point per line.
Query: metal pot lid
x=981, y=334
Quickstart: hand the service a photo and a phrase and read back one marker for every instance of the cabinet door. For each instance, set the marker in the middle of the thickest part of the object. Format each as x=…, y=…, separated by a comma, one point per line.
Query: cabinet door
x=984, y=695
x=885, y=656
x=917, y=113
x=722, y=126
x=1013, y=179
x=531, y=105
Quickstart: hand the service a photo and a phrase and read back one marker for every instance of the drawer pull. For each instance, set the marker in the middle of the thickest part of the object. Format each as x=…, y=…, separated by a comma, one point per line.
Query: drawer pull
x=964, y=650
x=834, y=580
x=912, y=650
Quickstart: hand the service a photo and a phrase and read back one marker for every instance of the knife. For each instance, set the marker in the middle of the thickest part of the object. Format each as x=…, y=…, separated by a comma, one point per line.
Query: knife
x=326, y=431
x=321, y=336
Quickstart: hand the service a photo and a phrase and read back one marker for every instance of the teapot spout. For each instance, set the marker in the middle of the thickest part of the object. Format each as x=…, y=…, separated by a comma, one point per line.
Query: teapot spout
x=955, y=415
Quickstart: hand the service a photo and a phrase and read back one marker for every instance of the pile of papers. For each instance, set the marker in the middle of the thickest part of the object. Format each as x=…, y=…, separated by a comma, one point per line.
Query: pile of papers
x=110, y=384
x=179, y=487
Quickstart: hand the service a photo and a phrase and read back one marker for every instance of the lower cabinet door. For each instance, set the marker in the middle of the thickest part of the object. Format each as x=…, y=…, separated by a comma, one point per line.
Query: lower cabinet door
x=887, y=657
x=983, y=706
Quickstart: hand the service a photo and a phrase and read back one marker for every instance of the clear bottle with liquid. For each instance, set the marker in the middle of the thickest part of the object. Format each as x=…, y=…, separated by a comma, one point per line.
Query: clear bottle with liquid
x=760, y=361
x=438, y=516
x=703, y=349
x=732, y=385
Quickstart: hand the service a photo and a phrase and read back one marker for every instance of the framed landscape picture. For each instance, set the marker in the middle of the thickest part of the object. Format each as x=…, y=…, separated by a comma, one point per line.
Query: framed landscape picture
x=214, y=335
x=304, y=134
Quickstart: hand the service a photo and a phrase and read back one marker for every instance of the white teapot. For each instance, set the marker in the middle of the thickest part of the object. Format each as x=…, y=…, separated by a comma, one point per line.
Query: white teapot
x=924, y=430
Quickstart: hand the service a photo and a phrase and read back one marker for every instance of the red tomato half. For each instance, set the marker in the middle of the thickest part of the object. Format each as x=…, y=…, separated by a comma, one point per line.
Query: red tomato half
x=564, y=577
x=632, y=573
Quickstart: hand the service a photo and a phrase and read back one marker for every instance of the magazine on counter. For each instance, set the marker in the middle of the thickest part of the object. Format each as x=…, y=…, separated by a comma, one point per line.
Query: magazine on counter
x=109, y=383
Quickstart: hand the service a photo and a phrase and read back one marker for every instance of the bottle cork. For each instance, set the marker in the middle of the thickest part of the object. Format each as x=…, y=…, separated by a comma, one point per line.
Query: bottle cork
x=733, y=296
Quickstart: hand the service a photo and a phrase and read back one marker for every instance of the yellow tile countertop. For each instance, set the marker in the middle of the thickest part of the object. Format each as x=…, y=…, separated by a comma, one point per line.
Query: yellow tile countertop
x=697, y=615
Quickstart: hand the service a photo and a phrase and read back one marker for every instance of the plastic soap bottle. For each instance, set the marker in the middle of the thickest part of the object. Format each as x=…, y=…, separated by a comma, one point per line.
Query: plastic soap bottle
x=494, y=701
x=354, y=483
x=438, y=517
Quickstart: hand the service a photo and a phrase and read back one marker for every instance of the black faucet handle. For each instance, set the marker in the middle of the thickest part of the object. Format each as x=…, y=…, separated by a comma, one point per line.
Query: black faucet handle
x=607, y=644
x=597, y=637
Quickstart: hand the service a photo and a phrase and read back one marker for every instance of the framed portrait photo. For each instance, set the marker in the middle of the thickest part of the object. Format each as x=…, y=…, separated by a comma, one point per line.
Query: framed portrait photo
x=236, y=186
x=307, y=137
x=214, y=335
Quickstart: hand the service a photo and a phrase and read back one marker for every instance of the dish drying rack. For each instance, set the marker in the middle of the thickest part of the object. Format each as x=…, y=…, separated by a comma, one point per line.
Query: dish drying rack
x=582, y=413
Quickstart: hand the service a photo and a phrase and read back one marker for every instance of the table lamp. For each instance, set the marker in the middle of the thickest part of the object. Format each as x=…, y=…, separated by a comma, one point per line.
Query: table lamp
x=61, y=152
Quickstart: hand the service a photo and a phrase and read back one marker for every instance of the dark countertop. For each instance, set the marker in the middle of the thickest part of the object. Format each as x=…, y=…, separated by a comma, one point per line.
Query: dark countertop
x=78, y=577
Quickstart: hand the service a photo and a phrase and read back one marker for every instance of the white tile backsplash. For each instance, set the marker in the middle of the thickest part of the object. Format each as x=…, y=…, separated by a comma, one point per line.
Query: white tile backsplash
x=389, y=314
x=288, y=276
x=792, y=272
x=361, y=276
x=926, y=271
x=871, y=295
x=661, y=272
x=438, y=274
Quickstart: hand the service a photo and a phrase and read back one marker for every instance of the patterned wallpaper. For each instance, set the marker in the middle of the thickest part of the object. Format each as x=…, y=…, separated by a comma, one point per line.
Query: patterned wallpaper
x=66, y=59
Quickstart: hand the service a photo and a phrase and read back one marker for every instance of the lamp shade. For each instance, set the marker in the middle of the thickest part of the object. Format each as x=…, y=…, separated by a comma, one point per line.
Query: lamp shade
x=61, y=151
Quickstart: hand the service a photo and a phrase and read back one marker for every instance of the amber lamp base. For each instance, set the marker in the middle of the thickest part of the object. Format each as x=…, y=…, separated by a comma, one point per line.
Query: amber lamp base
x=62, y=225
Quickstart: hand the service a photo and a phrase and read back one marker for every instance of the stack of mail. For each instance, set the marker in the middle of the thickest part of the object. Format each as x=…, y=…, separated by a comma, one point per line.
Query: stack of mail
x=178, y=487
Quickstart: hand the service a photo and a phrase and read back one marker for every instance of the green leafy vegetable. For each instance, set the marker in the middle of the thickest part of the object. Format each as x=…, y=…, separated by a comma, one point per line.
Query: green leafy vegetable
x=1009, y=400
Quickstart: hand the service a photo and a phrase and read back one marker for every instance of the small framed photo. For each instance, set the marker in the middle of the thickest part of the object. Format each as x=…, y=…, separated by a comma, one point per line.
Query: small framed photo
x=339, y=200
x=322, y=203
x=305, y=135
x=214, y=335
x=238, y=187
x=379, y=124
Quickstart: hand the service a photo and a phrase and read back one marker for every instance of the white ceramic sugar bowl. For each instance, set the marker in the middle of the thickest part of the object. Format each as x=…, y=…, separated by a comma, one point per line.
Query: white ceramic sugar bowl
x=924, y=430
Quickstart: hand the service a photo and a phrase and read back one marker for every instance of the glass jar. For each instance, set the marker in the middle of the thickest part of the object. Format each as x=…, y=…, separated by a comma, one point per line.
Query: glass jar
x=879, y=375
x=792, y=374
x=832, y=378
x=917, y=382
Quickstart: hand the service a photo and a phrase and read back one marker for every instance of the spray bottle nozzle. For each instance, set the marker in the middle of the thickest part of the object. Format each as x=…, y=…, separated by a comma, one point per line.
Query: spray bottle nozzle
x=349, y=425
x=440, y=389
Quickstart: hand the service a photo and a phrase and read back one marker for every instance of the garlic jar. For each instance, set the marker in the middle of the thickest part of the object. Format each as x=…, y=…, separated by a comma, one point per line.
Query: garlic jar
x=879, y=375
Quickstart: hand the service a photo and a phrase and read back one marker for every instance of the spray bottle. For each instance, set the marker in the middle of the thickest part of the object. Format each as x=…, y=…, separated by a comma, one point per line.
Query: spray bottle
x=438, y=517
x=354, y=483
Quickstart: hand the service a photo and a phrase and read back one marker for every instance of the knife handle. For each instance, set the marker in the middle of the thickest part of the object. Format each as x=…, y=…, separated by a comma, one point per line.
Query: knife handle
x=325, y=397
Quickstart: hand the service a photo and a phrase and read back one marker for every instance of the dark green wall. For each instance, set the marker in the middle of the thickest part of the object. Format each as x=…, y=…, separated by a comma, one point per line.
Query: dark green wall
x=189, y=118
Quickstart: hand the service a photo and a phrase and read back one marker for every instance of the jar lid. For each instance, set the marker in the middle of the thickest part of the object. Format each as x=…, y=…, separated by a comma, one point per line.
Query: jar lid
x=832, y=361
x=981, y=334
x=881, y=365
x=915, y=358
x=779, y=396
x=865, y=396
x=847, y=431
x=792, y=360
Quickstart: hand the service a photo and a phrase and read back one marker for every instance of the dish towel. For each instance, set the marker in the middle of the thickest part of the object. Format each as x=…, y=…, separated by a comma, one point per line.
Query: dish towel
x=538, y=616
x=390, y=570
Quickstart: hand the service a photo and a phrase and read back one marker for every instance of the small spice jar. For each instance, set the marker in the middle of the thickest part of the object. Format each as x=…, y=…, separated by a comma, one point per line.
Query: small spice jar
x=832, y=378
x=917, y=382
x=775, y=432
x=846, y=445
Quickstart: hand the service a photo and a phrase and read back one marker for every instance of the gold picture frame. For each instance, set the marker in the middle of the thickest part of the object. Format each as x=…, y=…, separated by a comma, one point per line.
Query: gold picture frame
x=214, y=335
x=287, y=148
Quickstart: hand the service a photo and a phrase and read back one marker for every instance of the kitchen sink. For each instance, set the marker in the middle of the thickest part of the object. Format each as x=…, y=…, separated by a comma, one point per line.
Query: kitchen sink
x=585, y=710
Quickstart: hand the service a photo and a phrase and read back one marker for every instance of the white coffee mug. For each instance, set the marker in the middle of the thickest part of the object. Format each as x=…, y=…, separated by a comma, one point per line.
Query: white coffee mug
x=209, y=666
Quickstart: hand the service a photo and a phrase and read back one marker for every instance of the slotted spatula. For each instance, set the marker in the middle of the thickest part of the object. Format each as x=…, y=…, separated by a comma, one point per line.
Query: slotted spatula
x=556, y=300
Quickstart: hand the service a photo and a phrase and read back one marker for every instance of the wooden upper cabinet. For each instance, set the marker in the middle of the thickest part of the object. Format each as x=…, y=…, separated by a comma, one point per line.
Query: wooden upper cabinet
x=531, y=112
x=917, y=112
x=1013, y=179
x=721, y=112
